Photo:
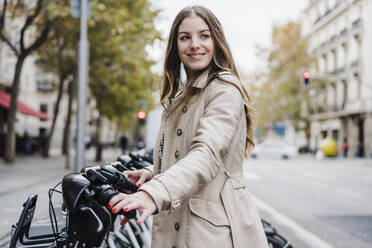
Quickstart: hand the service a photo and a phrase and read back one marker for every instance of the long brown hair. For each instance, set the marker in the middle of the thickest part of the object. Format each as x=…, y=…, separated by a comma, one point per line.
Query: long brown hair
x=222, y=61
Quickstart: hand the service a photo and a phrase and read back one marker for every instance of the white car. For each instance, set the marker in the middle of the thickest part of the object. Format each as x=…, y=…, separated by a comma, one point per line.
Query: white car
x=274, y=149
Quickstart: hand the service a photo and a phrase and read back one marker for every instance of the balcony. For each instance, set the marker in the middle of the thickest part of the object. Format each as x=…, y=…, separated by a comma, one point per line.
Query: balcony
x=338, y=71
x=328, y=11
x=329, y=15
x=329, y=112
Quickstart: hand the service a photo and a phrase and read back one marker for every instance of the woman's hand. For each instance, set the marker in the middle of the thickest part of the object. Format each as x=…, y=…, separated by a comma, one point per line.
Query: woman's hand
x=138, y=177
x=140, y=200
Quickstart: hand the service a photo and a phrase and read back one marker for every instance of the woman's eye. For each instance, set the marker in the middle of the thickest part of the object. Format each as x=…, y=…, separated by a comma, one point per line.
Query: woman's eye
x=184, y=37
x=204, y=36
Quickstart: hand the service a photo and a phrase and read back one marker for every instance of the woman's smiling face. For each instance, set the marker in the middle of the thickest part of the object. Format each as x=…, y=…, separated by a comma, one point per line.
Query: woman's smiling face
x=195, y=45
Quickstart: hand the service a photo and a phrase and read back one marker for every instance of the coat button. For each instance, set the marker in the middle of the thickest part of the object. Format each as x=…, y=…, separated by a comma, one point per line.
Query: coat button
x=174, y=246
x=177, y=226
x=179, y=132
x=176, y=204
x=184, y=109
x=176, y=154
x=193, y=91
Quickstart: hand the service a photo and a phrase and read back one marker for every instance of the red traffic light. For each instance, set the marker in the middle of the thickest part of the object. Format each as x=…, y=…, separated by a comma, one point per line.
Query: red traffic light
x=141, y=115
x=307, y=75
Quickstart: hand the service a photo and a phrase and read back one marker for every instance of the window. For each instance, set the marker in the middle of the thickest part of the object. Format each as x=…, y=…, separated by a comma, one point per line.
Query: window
x=44, y=86
x=44, y=109
x=42, y=131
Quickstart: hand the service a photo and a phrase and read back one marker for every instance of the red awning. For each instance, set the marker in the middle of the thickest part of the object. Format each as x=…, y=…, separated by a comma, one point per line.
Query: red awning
x=22, y=108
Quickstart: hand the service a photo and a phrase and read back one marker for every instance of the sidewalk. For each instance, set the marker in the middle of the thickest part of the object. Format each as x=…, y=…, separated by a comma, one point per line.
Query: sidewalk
x=34, y=174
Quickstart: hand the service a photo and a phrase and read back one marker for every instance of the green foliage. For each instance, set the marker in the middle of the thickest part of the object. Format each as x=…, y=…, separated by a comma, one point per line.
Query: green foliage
x=120, y=74
x=59, y=53
x=280, y=93
x=119, y=69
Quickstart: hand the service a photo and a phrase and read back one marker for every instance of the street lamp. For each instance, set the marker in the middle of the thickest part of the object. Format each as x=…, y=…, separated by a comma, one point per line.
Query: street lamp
x=81, y=11
x=315, y=125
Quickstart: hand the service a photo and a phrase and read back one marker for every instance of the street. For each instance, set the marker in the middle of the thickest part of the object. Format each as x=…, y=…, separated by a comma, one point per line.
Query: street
x=312, y=203
x=315, y=203
x=91, y=76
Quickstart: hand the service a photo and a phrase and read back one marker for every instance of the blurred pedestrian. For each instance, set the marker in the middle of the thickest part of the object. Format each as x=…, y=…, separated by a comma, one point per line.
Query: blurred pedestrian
x=140, y=144
x=196, y=188
x=123, y=144
x=28, y=143
x=345, y=147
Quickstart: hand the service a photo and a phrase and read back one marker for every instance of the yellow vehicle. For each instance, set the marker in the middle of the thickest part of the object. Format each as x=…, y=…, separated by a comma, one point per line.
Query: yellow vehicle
x=328, y=147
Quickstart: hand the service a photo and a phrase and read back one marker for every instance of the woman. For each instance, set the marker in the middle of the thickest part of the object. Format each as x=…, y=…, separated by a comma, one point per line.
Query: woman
x=196, y=187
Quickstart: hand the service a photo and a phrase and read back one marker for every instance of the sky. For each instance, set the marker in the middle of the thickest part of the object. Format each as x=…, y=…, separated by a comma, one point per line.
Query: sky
x=246, y=23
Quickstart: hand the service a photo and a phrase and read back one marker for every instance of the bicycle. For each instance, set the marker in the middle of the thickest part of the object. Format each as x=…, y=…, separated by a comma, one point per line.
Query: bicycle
x=85, y=197
x=88, y=222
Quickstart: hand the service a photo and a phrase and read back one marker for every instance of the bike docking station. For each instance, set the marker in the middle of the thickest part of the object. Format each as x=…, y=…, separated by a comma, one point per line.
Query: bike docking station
x=87, y=221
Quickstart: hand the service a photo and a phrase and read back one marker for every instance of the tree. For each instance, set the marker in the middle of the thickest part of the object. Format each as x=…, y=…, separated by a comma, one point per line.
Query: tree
x=59, y=56
x=280, y=93
x=120, y=74
x=119, y=68
x=21, y=50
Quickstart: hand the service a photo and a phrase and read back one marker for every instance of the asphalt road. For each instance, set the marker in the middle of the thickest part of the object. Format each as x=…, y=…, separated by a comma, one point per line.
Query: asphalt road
x=312, y=203
x=315, y=203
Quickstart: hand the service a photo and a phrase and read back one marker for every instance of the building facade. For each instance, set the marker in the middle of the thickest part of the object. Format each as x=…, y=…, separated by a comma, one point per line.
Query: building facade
x=339, y=34
x=36, y=92
x=37, y=89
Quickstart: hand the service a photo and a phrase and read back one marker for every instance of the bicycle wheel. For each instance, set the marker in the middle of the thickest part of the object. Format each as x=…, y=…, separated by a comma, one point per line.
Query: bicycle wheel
x=120, y=237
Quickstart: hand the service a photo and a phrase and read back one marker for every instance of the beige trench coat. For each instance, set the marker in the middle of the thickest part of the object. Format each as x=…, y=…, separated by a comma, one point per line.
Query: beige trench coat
x=198, y=184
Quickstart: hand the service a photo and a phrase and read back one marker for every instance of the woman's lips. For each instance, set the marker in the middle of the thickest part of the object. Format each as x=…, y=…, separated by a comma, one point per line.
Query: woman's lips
x=196, y=56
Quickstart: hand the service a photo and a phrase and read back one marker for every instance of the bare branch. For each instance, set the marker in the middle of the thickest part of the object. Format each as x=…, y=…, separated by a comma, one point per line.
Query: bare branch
x=2, y=17
x=29, y=21
x=2, y=25
x=61, y=47
x=7, y=41
x=41, y=39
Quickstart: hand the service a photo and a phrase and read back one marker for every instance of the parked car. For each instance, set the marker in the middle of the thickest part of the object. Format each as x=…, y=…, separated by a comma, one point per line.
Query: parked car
x=274, y=149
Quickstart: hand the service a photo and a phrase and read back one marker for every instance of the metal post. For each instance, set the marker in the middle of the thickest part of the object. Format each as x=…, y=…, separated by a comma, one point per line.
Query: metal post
x=315, y=109
x=83, y=75
x=313, y=94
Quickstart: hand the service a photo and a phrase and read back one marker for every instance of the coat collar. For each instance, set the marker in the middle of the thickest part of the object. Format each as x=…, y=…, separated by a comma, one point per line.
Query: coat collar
x=201, y=81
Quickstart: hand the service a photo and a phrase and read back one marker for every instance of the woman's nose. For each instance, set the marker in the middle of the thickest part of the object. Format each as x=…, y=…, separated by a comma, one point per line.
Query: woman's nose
x=195, y=43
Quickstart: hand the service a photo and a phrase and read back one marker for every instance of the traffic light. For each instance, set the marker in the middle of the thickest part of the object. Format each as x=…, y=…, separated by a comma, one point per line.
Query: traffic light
x=306, y=78
x=141, y=115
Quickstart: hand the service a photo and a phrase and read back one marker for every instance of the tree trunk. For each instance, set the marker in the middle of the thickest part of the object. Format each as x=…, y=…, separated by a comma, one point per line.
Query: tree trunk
x=10, y=136
x=21, y=56
x=67, y=129
x=55, y=116
x=133, y=130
